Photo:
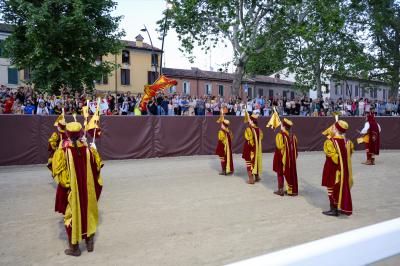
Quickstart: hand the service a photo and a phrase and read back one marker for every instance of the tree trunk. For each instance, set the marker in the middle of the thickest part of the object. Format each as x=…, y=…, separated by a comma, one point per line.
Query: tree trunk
x=317, y=76
x=238, y=76
x=318, y=85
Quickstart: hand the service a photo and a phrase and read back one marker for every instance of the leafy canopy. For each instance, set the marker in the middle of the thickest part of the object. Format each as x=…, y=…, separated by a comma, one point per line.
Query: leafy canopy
x=59, y=40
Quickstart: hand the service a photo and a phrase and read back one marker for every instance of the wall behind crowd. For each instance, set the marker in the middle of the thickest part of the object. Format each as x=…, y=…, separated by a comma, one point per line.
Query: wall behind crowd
x=23, y=139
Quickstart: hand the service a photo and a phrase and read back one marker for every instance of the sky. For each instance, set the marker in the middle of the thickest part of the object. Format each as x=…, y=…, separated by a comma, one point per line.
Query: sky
x=147, y=12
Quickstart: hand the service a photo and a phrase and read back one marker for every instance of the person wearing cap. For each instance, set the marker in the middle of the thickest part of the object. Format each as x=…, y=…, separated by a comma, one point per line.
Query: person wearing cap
x=285, y=159
x=252, y=149
x=56, y=138
x=371, y=138
x=77, y=167
x=337, y=174
x=224, y=147
x=55, y=142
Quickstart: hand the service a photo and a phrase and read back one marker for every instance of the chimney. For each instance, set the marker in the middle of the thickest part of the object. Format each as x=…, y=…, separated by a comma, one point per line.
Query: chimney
x=139, y=40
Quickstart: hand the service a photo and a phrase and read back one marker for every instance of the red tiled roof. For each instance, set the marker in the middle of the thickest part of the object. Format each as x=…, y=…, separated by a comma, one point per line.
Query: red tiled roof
x=196, y=73
x=146, y=46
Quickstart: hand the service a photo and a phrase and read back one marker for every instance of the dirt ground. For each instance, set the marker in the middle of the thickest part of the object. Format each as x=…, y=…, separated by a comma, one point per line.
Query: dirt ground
x=179, y=211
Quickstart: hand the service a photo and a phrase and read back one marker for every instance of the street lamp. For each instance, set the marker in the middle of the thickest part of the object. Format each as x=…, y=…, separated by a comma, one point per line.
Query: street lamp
x=152, y=49
x=169, y=6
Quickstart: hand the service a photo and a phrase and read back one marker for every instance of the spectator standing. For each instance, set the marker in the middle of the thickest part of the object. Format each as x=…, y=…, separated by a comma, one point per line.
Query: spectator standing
x=361, y=107
x=42, y=109
x=29, y=108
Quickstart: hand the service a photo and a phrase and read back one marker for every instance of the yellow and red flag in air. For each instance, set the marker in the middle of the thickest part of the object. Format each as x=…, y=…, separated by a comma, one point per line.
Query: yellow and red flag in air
x=150, y=91
x=274, y=122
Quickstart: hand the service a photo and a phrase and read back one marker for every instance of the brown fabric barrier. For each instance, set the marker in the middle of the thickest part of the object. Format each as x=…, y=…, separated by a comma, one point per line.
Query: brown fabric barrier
x=23, y=139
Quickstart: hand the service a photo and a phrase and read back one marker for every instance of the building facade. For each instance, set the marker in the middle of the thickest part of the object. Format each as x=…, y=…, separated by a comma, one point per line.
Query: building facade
x=356, y=89
x=9, y=75
x=136, y=66
x=197, y=82
x=351, y=88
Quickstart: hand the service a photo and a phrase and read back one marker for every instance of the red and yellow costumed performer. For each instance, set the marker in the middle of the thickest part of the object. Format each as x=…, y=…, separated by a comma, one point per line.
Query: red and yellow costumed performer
x=92, y=128
x=56, y=138
x=55, y=142
x=285, y=159
x=77, y=167
x=337, y=174
x=224, y=147
x=371, y=137
x=252, y=149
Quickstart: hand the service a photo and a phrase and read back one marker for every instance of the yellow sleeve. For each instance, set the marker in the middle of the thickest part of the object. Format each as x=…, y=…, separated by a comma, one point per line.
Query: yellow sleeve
x=330, y=151
x=60, y=170
x=261, y=134
x=97, y=158
x=279, y=141
x=53, y=140
x=230, y=132
x=221, y=135
x=248, y=134
x=351, y=144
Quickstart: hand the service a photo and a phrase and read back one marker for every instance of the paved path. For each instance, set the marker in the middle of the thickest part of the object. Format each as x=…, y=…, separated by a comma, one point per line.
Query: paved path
x=178, y=211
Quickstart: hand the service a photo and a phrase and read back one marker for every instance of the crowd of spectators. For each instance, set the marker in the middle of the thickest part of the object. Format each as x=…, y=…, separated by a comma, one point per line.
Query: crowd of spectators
x=25, y=101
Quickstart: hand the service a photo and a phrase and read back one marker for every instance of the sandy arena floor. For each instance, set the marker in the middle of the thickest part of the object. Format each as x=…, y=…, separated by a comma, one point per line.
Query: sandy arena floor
x=179, y=211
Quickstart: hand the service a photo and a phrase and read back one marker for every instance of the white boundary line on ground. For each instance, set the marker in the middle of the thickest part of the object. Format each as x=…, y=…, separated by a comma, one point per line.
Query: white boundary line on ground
x=357, y=247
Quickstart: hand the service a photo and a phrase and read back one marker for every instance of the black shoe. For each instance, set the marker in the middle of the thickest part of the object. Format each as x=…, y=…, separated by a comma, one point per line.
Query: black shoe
x=331, y=212
x=222, y=173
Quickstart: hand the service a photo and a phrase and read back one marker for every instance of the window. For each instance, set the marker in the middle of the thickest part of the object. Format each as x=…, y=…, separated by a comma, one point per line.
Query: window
x=384, y=94
x=347, y=90
x=151, y=77
x=337, y=89
x=105, y=79
x=363, y=92
x=292, y=95
x=285, y=94
x=186, y=87
x=102, y=80
x=27, y=74
x=375, y=93
x=172, y=90
x=260, y=92
x=99, y=59
x=356, y=91
x=154, y=60
x=125, y=57
x=125, y=77
x=208, y=89
x=271, y=93
x=1, y=48
x=250, y=92
x=12, y=76
x=221, y=90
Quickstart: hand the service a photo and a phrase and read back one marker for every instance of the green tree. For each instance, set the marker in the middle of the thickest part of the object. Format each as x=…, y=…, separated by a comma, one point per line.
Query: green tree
x=59, y=40
x=271, y=59
x=382, y=18
x=320, y=41
x=241, y=22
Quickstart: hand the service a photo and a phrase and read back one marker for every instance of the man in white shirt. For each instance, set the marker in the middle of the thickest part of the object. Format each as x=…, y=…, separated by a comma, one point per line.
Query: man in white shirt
x=371, y=138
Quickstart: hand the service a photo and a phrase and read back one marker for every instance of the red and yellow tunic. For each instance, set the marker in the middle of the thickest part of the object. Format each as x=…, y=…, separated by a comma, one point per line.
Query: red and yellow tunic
x=77, y=169
x=285, y=159
x=337, y=174
x=252, y=150
x=224, y=149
